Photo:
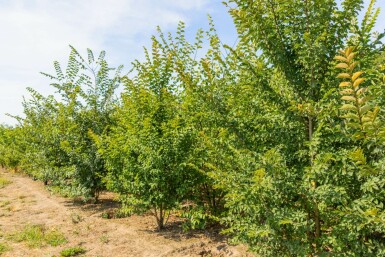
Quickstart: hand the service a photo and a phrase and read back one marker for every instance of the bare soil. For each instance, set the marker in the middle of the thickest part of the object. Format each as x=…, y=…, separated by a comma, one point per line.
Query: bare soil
x=28, y=202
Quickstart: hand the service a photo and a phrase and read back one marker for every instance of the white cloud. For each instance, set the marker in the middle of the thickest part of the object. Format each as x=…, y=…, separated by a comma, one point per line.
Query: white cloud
x=33, y=33
x=188, y=5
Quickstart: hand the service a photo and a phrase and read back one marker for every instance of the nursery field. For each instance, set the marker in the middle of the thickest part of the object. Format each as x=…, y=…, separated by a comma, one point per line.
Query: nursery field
x=35, y=222
x=276, y=142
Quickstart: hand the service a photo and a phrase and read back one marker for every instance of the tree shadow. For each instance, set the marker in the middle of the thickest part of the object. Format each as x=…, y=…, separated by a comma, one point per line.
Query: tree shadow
x=173, y=230
x=106, y=205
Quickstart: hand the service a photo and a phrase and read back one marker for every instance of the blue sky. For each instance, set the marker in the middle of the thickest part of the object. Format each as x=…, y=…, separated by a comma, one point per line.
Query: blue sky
x=34, y=33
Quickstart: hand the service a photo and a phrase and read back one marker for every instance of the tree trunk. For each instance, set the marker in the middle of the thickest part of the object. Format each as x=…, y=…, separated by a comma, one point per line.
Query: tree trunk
x=159, y=215
x=316, y=214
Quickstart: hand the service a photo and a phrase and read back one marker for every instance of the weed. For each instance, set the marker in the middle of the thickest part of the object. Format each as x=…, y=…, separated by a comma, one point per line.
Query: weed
x=4, y=203
x=4, y=248
x=55, y=238
x=4, y=182
x=39, y=236
x=76, y=218
x=76, y=232
x=72, y=251
x=104, y=238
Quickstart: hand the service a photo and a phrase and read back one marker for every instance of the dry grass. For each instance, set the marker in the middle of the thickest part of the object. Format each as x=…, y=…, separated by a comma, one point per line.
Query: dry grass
x=4, y=182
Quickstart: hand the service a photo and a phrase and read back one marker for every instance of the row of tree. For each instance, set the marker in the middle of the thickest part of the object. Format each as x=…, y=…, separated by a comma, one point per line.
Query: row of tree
x=281, y=138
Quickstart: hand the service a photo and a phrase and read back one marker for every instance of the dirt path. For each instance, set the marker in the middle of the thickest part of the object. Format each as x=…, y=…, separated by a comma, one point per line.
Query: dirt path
x=26, y=202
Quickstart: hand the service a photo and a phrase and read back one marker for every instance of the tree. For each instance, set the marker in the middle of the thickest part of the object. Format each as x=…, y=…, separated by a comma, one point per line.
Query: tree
x=149, y=148
x=58, y=134
x=286, y=202
x=88, y=95
x=11, y=148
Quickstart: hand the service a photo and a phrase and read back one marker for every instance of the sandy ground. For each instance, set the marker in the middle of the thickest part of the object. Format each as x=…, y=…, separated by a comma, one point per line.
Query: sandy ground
x=28, y=202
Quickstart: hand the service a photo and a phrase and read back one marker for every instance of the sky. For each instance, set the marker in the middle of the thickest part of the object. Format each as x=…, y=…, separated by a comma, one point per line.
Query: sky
x=34, y=33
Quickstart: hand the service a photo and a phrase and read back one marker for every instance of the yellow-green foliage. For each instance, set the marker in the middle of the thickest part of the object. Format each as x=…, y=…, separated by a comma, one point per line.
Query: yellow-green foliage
x=359, y=113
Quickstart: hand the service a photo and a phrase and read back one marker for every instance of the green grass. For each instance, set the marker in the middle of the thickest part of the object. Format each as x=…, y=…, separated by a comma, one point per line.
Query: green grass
x=4, y=182
x=72, y=251
x=36, y=236
x=4, y=248
x=55, y=238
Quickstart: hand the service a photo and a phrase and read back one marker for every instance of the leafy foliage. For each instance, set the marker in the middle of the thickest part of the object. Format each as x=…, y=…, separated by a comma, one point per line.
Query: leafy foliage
x=360, y=114
x=259, y=136
x=55, y=139
x=153, y=170
x=291, y=200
